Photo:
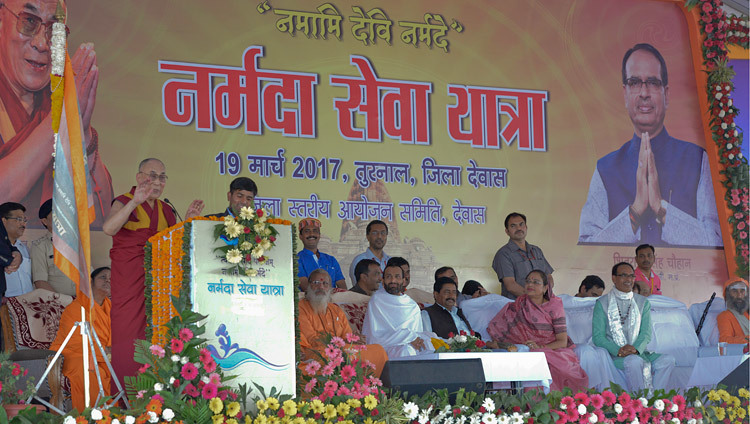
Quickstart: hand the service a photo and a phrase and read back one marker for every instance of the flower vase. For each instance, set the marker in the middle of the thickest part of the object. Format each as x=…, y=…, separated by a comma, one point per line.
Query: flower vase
x=12, y=409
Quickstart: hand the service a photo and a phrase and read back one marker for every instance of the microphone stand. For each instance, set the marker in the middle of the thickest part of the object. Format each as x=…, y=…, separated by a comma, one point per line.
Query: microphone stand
x=173, y=208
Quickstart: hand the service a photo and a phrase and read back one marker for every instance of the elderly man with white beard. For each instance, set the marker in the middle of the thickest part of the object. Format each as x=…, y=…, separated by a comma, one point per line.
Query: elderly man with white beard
x=318, y=316
x=393, y=319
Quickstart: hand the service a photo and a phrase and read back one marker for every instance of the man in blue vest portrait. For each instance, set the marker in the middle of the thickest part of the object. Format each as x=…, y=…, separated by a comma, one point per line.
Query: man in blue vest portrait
x=654, y=189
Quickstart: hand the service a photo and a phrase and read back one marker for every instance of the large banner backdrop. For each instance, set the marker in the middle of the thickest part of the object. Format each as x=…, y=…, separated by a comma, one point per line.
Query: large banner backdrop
x=439, y=117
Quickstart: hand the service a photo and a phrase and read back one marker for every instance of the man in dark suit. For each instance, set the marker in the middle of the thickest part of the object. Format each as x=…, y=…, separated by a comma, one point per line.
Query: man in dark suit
x=444, y=317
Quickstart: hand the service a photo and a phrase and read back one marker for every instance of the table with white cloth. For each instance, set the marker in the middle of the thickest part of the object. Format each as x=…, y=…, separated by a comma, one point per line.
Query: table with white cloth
x=503, y=369
x=709, y=371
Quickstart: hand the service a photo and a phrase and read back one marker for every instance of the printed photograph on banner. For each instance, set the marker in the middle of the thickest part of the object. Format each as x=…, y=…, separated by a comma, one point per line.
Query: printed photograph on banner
x=26, y=137
x=655, y=189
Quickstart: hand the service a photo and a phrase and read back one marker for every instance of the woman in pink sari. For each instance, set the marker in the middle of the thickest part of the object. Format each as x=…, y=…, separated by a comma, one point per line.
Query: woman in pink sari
x=537, y=320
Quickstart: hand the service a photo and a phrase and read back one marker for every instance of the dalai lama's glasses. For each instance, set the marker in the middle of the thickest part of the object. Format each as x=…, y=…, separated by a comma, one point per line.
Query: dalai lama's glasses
x=154, y=176
x=320, y=283
x=29, y=24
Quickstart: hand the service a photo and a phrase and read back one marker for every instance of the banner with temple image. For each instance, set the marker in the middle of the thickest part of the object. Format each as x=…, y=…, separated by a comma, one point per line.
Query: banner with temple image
x=250, y=325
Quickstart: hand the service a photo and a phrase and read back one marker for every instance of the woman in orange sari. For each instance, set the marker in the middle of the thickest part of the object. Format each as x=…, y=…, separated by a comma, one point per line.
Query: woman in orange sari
x=537, y=320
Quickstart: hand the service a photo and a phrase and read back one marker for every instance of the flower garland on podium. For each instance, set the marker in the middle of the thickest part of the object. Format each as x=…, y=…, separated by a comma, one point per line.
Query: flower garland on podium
x=167, y=264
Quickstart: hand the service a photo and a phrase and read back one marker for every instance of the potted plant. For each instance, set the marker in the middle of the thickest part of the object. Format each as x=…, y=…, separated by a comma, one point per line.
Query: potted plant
x=12, y=395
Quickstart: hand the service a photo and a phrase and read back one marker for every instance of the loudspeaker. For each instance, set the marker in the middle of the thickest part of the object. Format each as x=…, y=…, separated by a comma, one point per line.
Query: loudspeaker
x=738, y=377
x=419, y=376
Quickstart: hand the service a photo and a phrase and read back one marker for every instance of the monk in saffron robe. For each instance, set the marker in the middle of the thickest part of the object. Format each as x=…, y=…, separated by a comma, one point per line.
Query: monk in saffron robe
x=537, y=319
x=318, y=316
x=133, y=219
x=73, y=352
x=734, y=322
x=26, y=138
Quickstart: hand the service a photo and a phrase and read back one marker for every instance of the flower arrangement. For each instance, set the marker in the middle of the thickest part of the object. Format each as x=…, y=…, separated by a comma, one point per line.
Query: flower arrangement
x=367, y=410
x=462, y=342
x=340, y=374
x=10, y=373
x=718, y=32
x=737, y=31
x=248, y=237
x=728, y=408
x=182, y=375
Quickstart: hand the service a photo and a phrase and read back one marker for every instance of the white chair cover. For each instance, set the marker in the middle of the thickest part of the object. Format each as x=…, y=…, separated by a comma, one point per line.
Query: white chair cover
x=673, y=330
x=480, y=311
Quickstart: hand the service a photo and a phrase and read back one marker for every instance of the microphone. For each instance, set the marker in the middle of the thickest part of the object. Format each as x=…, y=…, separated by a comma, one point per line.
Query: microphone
x=703, y=317
x=173, y=208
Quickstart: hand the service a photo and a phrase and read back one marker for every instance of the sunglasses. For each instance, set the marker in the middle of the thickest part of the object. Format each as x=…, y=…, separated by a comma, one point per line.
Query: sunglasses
x=29, y=24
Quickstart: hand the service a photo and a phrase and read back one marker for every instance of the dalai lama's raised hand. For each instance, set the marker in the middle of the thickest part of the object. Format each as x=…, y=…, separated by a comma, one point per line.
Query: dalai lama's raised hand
x=142, y=191
x=195, y=209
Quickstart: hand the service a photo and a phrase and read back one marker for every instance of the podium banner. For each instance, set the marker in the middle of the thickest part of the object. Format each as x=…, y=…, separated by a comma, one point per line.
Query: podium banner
x=250, y=325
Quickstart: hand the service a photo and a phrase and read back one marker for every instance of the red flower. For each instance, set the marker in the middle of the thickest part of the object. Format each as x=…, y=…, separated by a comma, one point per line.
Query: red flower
x=258, y=239
x=259, y=212
x=176, y=345
x=272, y=239
x=246, y=230
x=374, y=412
x=709, y=28
x=707, y=8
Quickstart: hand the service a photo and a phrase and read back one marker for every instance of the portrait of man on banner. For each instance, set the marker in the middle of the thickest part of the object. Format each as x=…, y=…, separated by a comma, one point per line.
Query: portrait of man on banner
x=26, y=139
x=654, y=189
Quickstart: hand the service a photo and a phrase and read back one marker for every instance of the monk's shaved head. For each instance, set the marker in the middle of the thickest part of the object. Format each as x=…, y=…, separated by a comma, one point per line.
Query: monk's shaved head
x=147, y=161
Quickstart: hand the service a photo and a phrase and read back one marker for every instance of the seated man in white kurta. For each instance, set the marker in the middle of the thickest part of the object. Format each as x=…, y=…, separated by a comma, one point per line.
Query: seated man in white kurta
x=393, y=319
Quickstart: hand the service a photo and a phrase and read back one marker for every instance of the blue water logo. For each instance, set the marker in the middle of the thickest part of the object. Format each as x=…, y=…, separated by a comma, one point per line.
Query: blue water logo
x=234, y=355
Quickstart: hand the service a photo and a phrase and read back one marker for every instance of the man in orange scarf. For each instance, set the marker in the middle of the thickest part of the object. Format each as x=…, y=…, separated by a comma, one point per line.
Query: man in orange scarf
x=318, y=316
x=73, y=351
x=733, y=323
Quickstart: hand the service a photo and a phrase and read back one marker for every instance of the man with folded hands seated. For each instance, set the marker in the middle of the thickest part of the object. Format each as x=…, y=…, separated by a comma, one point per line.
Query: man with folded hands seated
x=591, y=286
x=318, y=316
x=369, y=277
x=733, y=323
x=622, y=325
x=444, y=317
x=393, y=319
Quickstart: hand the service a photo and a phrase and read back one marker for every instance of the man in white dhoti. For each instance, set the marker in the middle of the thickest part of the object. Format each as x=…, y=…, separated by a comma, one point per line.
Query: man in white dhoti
x=622, y=325
x=393, y=319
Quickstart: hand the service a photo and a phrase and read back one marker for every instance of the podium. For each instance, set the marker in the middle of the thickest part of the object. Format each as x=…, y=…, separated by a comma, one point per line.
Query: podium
x=250, y=329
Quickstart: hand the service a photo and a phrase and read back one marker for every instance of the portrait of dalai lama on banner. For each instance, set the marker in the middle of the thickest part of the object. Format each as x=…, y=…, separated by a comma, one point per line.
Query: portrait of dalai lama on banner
x=26, y=137
x=654, y=189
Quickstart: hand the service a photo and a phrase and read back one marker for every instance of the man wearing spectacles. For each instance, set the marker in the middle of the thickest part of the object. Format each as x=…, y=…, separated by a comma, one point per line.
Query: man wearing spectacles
x=655, y=189
x=622, y=326
x=26, y=142
x=18, y=276
x=135, y=217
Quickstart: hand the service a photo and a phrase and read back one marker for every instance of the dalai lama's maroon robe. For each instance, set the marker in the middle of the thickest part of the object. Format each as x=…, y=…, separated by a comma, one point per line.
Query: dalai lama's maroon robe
x=128, y=276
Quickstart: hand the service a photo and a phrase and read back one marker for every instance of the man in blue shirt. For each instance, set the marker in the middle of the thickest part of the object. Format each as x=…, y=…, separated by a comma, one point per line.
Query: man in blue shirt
x=310, y=258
